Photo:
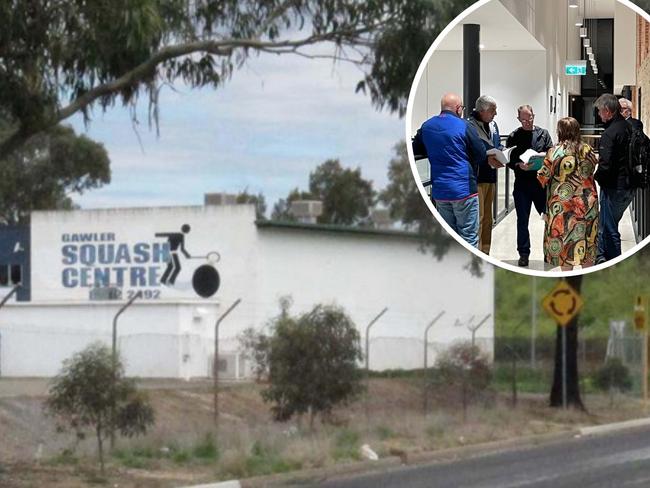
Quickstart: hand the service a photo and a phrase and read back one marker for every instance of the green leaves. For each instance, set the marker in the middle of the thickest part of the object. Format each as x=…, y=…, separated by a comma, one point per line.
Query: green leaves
x=346, y=196
x=91, y=393
x=313, y=362
x=47, y=170
x=58, y=58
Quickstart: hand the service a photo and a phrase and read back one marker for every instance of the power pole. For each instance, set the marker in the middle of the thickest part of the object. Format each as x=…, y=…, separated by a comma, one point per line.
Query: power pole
x=372, y=322
x=426, y=357
x=114, y=361
x=215, y=363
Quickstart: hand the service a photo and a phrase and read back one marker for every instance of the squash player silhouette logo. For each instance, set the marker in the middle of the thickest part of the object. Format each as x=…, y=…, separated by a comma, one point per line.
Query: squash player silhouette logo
x=205, y=279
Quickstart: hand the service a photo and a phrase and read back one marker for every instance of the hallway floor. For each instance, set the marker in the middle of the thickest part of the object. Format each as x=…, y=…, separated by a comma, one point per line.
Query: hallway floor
x=504, y=240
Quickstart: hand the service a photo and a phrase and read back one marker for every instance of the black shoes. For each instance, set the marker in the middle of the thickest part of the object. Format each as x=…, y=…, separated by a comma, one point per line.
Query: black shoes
x=523, y=261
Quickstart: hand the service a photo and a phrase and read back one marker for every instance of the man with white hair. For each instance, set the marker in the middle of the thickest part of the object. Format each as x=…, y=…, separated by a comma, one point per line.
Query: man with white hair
x=482, y=119
x=626, y=112
x=455, y=153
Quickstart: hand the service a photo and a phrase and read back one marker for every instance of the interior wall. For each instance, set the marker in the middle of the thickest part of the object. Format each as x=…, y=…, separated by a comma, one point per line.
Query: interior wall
x=624, y=46
x=511, y=77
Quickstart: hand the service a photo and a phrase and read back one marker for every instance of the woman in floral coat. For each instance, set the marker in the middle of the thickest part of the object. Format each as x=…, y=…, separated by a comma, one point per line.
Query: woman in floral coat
x=571, y=230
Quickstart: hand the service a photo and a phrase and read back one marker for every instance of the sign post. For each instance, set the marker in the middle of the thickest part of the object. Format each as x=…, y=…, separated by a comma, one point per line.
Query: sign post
x=640, y=320
x=562, y=304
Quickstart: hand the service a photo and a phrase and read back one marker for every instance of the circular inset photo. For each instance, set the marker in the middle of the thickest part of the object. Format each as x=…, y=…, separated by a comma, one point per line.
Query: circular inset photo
x=526, y=121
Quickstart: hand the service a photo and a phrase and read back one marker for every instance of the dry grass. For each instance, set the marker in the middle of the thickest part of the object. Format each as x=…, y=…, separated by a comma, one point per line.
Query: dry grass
x=249, y=443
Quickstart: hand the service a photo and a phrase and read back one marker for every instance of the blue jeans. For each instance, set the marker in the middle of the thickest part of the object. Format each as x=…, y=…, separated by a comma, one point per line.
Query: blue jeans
x=525, y=196
x=462, y=217
x=612, y=207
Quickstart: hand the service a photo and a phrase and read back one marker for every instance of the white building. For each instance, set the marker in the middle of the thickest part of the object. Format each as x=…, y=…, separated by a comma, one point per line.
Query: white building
x=169, y=332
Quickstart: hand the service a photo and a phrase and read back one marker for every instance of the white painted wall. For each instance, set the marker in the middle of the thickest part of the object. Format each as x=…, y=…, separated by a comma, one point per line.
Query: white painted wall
x=37, y=338
x=364, y=274
x=624, y=47
x=172, y=336
x=513, y=78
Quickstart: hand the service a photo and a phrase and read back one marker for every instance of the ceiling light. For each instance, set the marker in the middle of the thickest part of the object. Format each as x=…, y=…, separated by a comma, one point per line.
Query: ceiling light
x=481, y=46
x=583, y=32
x=579, y=22
x=590, y=50
x=573, y=3
x=592, y=57
x=586, y=42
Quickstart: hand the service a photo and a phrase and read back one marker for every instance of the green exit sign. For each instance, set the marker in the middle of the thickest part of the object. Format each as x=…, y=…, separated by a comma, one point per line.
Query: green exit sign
x=575, y=68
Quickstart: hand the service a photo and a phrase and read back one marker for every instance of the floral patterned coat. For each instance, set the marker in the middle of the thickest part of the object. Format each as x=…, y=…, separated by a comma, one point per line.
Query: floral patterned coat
x=571, y=230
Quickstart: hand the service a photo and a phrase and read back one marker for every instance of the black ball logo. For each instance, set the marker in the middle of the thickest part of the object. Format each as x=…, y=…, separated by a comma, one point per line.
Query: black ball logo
x=205, y=280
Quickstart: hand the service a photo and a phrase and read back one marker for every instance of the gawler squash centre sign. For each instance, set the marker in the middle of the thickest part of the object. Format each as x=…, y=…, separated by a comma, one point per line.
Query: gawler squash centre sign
x=165, y=253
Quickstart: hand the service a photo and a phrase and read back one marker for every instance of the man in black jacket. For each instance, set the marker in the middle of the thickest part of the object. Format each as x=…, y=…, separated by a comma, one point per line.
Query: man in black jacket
x=527, y=190
x=612, y=176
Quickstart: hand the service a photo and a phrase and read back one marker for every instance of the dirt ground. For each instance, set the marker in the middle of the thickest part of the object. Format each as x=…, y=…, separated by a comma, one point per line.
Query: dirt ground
x=250, y=443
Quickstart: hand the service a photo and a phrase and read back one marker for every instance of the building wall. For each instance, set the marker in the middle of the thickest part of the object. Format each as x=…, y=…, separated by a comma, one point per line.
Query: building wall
x=643, y=70
x=511, y=77
x=36, y=338
x=625, y=33
x=364, y=274
x=514, y=77
x=171, y=333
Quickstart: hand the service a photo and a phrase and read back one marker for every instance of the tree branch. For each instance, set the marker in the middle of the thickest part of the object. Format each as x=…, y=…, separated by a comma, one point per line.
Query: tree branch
x=134, y=76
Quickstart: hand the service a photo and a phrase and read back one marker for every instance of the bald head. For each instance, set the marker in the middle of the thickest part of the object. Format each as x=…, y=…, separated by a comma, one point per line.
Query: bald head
x=452, y=102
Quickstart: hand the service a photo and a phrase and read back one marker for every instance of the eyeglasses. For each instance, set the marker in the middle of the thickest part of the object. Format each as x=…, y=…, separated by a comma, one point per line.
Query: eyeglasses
x=532, y=117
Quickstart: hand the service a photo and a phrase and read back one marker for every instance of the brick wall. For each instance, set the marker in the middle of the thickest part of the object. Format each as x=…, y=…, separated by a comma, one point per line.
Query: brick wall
x=643, y=70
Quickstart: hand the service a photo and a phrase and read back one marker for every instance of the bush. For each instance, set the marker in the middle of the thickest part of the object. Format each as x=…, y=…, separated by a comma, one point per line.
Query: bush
x=91, y=393
x=347, y=445
x=206, y=449
x=313, y=363
x=462, y=371
x=613, y=375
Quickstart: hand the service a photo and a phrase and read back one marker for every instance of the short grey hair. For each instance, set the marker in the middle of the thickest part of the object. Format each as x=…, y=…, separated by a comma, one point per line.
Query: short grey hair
x=609, y=102
x=484, y=102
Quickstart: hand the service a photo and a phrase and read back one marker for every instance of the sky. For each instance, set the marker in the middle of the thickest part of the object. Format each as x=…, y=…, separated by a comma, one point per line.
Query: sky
x=272, y=123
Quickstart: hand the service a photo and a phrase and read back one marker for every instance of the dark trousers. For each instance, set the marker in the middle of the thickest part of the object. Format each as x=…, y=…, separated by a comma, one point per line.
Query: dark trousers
x=613, y=204
x=526, y=194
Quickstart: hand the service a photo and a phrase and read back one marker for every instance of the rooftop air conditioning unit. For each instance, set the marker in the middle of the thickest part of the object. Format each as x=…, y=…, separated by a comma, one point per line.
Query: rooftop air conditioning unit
x=306, y=211
x=219, y=199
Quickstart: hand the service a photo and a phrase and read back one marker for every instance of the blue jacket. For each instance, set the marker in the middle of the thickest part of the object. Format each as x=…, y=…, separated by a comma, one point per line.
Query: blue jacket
x=455, y=152
x=489, y=135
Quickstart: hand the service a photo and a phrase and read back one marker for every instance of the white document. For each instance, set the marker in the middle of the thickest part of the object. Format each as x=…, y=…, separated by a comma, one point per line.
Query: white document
x=502, y=156
x=530, y=153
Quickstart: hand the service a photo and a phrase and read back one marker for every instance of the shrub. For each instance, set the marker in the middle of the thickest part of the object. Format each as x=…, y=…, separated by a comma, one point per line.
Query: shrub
x=613, y=375
x=313, y=363
x=91, y=393
x=464, y=371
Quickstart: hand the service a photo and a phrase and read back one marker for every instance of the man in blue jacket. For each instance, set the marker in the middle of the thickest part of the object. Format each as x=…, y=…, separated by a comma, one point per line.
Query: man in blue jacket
x=455, y=152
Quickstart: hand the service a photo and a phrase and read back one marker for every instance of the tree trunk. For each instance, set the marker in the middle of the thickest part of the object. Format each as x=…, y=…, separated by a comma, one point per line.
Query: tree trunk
x=572, y=390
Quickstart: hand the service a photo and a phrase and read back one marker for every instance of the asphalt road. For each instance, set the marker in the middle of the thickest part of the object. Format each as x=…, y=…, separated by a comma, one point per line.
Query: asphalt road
x=619, y=460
